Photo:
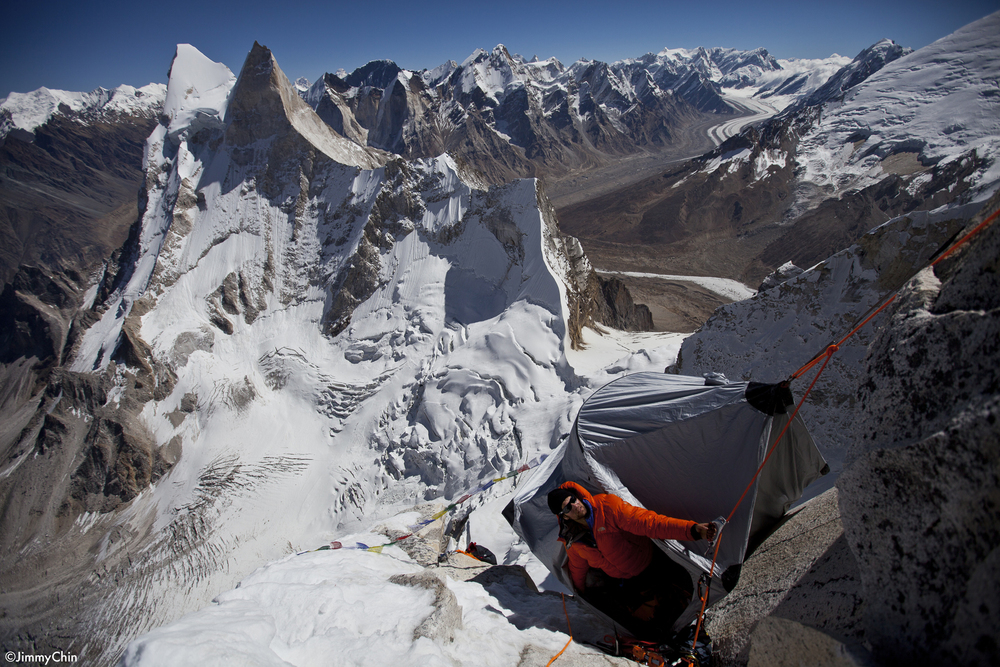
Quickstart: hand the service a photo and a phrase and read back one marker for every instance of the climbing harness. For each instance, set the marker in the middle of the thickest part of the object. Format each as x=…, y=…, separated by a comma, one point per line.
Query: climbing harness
x=652, y=653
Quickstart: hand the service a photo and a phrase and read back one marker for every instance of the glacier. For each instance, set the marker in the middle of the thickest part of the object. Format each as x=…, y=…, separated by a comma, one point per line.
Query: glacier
x=333, y=335
x=332, y=343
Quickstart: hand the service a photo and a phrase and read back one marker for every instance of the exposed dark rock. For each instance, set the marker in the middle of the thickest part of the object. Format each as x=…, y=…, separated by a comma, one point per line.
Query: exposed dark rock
x=593, y=300
x=620, y=311
x=222, y=323
x=376, y=74
x=230, y=294
x=920, y=497
x=387, y=134
x=836, y=222
x=29, y=325
x=897, y=566
x=264, y=107
x=803, y=571
x=69, y=194
x=359, y=279
x=336, y=112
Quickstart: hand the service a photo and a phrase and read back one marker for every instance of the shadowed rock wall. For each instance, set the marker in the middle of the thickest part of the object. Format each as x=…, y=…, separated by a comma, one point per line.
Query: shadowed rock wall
x=921, y=500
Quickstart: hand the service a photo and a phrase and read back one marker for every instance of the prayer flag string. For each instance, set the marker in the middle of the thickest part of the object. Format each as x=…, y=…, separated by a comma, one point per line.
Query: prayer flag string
x=484, y=487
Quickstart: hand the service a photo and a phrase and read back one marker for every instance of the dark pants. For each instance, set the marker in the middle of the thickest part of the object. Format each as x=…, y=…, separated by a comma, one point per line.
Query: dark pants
x=648, y=604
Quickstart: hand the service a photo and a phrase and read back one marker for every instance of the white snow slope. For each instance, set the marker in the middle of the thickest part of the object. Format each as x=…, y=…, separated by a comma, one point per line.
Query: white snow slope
x=454, y=371
x=940, y=102
x=931, y=107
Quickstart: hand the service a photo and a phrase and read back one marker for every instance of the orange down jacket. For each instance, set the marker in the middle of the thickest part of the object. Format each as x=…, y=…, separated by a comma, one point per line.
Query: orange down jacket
x=621, y=532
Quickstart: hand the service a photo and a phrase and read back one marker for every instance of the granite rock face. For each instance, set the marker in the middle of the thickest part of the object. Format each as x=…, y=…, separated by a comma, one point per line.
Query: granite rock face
x=900, y=565
x=769, y=337
x=802, y=580
x=920, y=499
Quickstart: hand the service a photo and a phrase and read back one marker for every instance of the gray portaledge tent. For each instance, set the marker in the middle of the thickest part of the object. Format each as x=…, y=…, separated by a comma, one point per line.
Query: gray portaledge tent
x=685, y=447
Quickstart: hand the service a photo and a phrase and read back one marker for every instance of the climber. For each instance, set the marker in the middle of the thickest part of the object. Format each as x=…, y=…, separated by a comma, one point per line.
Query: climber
x=614, y=564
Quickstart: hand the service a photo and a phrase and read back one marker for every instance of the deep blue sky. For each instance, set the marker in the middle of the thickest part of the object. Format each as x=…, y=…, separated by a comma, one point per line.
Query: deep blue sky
x=76, y=46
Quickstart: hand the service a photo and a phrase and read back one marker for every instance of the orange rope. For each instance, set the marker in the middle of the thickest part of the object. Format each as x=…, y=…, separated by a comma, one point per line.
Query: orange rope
x=978, y=228
x=826, y=355
x=830, y=351
x=955, y=246
x=569, y=627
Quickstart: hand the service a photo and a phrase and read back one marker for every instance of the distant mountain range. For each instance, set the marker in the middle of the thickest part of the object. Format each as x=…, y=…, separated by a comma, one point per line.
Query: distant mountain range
x=240, y=313
x=549, y=117
x=891, y=132
x=510, y=117
x=496, y=114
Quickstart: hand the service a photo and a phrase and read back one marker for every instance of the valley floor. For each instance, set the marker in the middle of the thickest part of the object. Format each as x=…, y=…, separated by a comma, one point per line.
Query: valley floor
x=677, y=305
x=697, y=139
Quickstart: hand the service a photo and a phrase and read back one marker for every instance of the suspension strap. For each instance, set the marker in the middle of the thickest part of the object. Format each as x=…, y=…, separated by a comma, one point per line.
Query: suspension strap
x=830, y=351
x=823, y=356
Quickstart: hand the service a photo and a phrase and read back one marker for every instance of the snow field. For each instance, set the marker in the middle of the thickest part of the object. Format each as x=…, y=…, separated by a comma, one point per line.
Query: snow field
x=454, y=371
x=339, y=608
x=29, y=111
x=731, y=289
x=938, y=111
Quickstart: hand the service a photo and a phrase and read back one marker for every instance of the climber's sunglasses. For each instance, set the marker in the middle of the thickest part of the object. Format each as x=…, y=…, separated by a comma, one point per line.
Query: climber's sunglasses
x=565, y=509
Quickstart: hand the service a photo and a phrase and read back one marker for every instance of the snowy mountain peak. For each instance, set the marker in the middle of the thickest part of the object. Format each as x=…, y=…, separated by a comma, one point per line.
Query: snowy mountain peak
x=475, y=56
x=265, y=105
x=197, y=92
x=725, y=66
x=29, y=111
x=500, y=51
x=865, y=64
x=509, y=117
x=434, y=77
x=490, y=73
x=743, y=68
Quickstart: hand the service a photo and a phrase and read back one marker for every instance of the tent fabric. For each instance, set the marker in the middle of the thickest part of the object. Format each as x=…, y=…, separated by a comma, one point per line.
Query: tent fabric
x=682, y=446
